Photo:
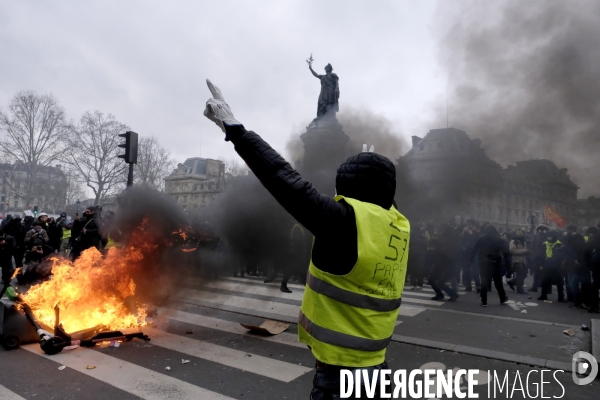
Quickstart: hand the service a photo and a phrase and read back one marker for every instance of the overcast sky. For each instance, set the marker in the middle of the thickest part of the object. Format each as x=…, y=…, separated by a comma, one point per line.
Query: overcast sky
x=146, y=63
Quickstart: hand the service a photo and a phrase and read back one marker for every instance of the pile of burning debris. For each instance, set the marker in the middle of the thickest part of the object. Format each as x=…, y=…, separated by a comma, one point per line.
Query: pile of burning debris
x=88, y=301
x=15, y=330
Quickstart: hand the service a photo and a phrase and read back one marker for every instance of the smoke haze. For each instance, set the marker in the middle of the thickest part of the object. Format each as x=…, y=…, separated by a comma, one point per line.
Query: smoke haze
x=363, y=126
x=524, y=77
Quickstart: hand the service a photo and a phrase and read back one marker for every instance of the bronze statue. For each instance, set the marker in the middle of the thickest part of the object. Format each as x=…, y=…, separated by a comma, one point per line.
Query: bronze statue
x=330, y=90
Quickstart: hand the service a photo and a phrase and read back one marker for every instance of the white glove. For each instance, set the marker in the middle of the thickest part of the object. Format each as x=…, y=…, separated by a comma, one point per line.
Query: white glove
x=217, y=110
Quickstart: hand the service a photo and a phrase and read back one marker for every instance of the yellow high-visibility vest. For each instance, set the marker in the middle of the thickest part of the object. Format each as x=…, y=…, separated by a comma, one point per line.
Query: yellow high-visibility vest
x=66, y=233
x=550, y=248
x=349, y=320
x=112, y=243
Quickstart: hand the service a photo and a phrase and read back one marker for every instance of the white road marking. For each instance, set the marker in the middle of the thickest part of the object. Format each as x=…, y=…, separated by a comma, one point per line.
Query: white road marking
x=408, y=311
x=265, y=290
x=132, y=378
x=275, y=292
x=292, y=286
x=271, y=368
x=6, y=394
x=219, y=299
x=286, y=338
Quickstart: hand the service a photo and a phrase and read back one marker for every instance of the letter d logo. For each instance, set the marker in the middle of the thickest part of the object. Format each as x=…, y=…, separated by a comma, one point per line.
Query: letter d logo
x=584, y=363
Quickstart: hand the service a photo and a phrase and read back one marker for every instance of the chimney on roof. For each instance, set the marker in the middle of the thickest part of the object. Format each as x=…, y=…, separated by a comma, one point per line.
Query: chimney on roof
x=415, y=140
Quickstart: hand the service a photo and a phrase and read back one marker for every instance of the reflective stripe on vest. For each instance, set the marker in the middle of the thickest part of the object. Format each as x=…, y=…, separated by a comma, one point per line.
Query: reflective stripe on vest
x=348, y=320
x=341, y=339
x=351, y=298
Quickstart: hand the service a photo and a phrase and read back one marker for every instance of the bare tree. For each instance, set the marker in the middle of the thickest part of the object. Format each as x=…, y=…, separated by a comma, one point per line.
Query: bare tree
x=75, y=188
x=154, y=164
x=34, y=134
x=233, y=168
x=93, y=153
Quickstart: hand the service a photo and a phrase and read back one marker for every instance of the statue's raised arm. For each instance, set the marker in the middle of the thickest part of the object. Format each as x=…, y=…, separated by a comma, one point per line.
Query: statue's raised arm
x=313, y=72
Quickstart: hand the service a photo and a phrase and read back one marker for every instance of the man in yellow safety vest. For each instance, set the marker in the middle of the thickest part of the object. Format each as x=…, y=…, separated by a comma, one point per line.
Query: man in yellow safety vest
x=358, y=261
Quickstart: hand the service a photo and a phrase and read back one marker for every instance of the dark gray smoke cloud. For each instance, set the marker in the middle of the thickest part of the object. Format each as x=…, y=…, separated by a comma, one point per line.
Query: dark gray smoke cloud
x=525, y=78
x=363, y=126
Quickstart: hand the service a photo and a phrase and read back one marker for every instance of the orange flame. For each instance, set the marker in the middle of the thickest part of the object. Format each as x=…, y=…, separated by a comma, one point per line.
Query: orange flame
x=94, y=290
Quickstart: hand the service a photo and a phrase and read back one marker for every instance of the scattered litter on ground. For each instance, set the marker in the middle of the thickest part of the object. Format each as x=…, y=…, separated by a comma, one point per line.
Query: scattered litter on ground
x=188, y=332
x=548, y=301
x=248, y=355
x=62, y=367
x=268, y=327
x=67, y=348
x=585, y=327
x=114, y=343
x=184, y=361
x=524, y=312
x=90, y=367
x=167, y=368
x=569, y=332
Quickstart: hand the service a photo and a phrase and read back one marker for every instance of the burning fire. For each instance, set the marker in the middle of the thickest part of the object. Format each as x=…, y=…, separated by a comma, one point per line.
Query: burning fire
x=95, y=290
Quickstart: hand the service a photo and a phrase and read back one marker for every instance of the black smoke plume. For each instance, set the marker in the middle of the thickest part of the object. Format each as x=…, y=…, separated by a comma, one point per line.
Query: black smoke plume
x=524, y=78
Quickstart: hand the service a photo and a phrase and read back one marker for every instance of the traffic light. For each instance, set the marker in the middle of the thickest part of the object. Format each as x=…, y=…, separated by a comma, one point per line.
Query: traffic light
x=130, y=146
x=35, y=210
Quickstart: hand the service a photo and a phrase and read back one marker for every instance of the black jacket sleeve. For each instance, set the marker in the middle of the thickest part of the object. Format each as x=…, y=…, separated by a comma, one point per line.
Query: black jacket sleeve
x=320, y=214
x=332, y=223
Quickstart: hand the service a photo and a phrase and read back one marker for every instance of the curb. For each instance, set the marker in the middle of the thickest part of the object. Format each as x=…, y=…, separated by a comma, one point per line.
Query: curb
x=596, y=339
x=494, y=355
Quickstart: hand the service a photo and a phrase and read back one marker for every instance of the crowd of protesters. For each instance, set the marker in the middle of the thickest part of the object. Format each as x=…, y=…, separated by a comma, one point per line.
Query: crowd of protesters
x=28, y=243
x=443, y=255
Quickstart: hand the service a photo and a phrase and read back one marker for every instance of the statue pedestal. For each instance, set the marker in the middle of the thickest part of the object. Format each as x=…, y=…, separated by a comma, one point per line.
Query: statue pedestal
x=324, y=151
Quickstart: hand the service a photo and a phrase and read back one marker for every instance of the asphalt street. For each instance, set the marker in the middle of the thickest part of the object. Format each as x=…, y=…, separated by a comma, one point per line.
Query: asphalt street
x=202, y=326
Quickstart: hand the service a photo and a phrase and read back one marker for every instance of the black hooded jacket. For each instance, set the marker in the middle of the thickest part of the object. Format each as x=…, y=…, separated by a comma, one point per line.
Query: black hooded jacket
x=15, y=229
x=366, y=177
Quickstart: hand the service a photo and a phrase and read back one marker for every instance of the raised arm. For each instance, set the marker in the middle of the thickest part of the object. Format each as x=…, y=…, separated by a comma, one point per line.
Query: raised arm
x=318, y=213
x=314, y=73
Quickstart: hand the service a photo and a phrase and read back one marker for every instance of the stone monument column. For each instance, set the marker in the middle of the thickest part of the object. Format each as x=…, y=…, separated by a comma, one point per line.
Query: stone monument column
x=324, y=140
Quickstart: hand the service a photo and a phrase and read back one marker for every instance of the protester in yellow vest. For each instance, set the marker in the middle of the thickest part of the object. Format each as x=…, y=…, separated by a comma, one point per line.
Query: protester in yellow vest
x=66, y=226
x=358, y=261
x=112, y=236
x=551, y=270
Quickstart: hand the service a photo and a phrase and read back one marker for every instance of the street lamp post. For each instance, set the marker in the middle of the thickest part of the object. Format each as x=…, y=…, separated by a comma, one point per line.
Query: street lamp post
x=531, y=220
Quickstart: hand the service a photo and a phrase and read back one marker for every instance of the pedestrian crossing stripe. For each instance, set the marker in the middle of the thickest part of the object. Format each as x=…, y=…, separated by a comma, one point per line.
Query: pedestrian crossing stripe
x=271, y=368
x=218, y=300
x=284, y=338
x=261, y=290
x=271, y=290
x=6, y=394
x=129, y=377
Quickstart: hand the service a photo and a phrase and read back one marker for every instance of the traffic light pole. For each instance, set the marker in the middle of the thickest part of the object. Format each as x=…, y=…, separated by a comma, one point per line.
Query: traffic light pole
x=131, y=152
x=130, y=176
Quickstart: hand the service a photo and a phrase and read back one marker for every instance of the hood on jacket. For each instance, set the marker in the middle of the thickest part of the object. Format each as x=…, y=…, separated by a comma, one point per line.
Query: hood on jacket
x=368, y=177
x=542, y=226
